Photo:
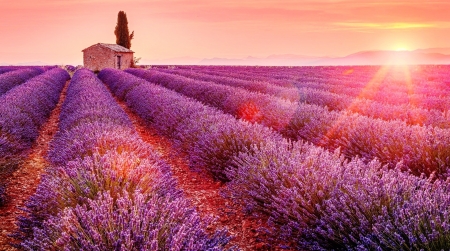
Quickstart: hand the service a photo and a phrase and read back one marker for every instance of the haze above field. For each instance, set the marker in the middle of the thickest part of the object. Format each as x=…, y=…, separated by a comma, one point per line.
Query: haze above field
x=283, y=32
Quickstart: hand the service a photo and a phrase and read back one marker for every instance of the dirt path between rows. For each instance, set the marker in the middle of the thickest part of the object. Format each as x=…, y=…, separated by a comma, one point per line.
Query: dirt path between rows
x=204, y=192
x=24, y=182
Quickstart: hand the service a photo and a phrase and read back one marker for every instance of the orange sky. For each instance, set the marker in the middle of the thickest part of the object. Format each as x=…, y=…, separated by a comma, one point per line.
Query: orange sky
x=55, y=31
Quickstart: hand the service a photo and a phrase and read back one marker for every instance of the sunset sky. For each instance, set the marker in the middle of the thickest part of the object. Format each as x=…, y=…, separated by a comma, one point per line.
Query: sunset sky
x=55, y=31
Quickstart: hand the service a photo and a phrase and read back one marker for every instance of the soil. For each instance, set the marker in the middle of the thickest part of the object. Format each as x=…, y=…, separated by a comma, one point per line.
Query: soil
x=22, y=183
x=204, y=193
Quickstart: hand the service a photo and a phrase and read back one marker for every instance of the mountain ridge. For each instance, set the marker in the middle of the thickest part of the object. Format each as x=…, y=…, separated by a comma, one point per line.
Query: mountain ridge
x=369, y=57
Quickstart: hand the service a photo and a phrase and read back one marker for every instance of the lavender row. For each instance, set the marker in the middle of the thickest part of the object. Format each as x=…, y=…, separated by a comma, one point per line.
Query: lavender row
x=421, y=149
x=4, y=69
x=23, y=110
x=106, y=188
x=319, y=201
x=243, y=73
x=424, y=80
x=314, y=199
x=383, y=95
x=371, y=85
x=255, y=86
x=253, y=107
x=420, y=85
x=11, y=79
x=337, y=102
x=211, y=137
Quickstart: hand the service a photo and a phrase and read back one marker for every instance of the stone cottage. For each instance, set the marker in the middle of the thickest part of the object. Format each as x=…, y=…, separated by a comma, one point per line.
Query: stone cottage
x=100, y=56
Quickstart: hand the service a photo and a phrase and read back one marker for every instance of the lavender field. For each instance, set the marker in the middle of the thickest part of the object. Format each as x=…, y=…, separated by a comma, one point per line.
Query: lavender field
x=323, y=158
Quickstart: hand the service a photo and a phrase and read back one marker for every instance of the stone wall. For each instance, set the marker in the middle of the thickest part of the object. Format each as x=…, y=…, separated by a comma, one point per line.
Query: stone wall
x=97, y=57
x=127, y=58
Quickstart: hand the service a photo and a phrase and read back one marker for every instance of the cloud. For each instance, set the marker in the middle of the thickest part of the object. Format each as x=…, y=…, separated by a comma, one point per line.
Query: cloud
x=386, y=26
x=304, y=11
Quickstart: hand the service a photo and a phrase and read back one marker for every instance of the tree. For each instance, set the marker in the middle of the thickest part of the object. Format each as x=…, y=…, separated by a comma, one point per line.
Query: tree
x=131, y=37
x=123, y=36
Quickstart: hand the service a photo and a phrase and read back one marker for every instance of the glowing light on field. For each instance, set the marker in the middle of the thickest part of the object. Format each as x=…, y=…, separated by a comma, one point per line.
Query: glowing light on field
x=410, y=89
x=373, y=86
x=399, y=75
x=348, y=72
x=367, y=92
x=250, y=112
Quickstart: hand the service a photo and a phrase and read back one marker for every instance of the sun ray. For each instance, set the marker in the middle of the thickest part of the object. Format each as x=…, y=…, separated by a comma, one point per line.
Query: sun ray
x=417, y=118
x=367, y=92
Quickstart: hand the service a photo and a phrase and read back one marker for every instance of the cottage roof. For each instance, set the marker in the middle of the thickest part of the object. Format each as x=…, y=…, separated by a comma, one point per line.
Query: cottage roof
x=114, y=47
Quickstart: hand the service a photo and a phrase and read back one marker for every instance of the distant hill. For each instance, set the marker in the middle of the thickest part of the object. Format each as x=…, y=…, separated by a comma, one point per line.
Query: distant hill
x=170, y=61
x=375, y=57
x=421, y=56
x=38, y=63
x=274, y=60
x=445, y=51
x=389, y=57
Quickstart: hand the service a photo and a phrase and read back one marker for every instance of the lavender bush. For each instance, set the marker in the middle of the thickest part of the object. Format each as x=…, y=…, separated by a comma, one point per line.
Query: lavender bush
x=129, y=222
x=320, y=201
x=314, y=199
x=253, y=107
x=211, y=137
x=427, y=80
x=106, y=188
x=70, y=68
x=23, y=110
x=334, y=101
x=11, y=79
x=4, y=69
x=420, y=148
x=251, y=85
x=418, y=86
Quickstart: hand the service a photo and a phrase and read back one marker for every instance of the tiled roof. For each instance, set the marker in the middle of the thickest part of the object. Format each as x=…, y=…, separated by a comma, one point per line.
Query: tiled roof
x=114, y=47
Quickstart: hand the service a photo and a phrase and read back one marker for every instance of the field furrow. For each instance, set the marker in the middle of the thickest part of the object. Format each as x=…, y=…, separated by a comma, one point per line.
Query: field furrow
x=203, y=191
x=107, y=189
x=24, y=182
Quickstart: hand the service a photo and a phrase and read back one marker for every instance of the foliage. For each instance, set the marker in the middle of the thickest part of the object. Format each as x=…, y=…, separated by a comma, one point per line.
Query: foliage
x=421, y=149
x=24, y=108
x=188, y=122
x=315, y=199
x=384, y=185
x=135, y=61
x=16, y=77
x=107, y=189
x=123, y=36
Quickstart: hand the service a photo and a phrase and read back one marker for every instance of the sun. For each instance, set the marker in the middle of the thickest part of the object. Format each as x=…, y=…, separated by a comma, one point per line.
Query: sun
x=401, y=49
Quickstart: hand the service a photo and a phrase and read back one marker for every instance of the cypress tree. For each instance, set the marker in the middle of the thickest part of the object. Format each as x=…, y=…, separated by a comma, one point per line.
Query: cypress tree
x=122, y=33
